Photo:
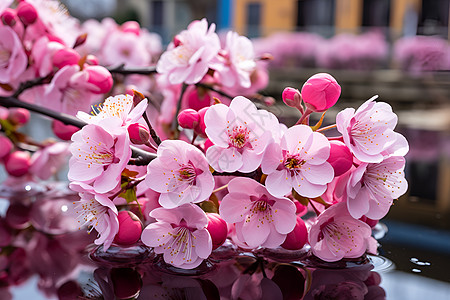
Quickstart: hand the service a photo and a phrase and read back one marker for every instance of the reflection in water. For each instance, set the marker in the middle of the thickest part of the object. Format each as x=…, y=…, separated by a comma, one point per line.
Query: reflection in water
x=39, y=236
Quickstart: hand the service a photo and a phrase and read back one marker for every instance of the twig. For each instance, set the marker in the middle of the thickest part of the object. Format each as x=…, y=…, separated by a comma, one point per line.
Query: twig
x=180, y=99
x=142, y=157
x=128, y=71
x=209, y=87
x=31, y=83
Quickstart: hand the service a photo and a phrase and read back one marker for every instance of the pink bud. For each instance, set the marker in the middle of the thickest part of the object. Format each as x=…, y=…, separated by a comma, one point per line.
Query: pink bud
x=139, y=135
x=201, y=127
x=217, y=228
x=5, y=146
x=18, y=215
x=298, y=237
x=130, y=228
x=320, y=92
x=27, y=13
x=368, y=221
x=17, y=163
x=63, y=131
x=100, y=77
x=9, y=17
x=126, y=282
x=65, y=57
x=131, y=26
x=19, y=116
x=341, y=159
x=188, y=118
x=176, y=41
x=198, y=98
x=92, y=60
x=292, y=97
x=207, y=144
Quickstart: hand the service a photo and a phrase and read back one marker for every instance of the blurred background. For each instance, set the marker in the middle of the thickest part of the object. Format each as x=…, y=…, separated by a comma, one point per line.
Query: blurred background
x=397, y=49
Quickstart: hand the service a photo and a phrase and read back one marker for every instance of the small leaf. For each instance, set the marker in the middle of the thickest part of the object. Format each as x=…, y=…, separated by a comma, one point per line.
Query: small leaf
x=209, y=207
x=129, y=173
x=129, y=195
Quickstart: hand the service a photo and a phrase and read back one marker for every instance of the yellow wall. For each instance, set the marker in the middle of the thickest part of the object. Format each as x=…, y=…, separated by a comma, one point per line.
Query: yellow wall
x=348, y=15
x=276, y=15
x=398, y=10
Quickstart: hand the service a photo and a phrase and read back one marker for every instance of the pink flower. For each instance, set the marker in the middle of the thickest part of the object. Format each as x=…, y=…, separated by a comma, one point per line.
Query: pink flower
x=370, y=130
x=336, y=235
x=99, y=155
x=236, y=62
x=48, y=160
x=372, y=187
x=98, y=211
x=240, y=134
x=180, y=235
x=42, y=54
x=13, y=60
x=260, y=218
x=120, y=106
x=69, y=91
x=299, y=162
x=320, y=92
x=188, y=60
x=180, y=173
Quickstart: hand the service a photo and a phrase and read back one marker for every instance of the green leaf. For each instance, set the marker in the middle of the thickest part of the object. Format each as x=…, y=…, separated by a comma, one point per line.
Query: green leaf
x=129, y=195
x=304, y=201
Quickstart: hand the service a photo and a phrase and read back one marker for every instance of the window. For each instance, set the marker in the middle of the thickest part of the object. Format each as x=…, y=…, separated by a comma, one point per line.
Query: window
x=433, y=19
x=376, y=13
x=315, y=13
x=253, y=19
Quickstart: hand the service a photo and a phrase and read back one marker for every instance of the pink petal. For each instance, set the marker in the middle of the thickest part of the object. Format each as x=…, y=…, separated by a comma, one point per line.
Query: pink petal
x=156, y=234
x=202, y=243
x=284, y=217
x=306, y=188
x=279, y=183
x=234, y=207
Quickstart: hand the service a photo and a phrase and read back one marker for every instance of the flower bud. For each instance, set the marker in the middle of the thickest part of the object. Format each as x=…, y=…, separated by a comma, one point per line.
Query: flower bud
x=9, y=17
x=81, y=39
x=198, y=98
x=19, y=116
x=292, y=97
x=17, y=163
x=201, y=127
x=18, y=216
x=27, y=13
x=217, y=228
x=139, y=135
x=132, y=27
x=126, y=282
x=63, y=131
x=5, y=146
x=341, y=159
x=320, y=92
x=100, y=77
x=92, y=60
x=368, y=221
x=130, y=228
x=65, y=57
x=176, y=41
x=188, y=118
x=298, y=237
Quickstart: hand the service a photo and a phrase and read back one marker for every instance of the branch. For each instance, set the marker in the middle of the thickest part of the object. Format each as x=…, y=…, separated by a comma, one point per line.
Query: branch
x=142, y=156
x=128, y=71
x=31, y=83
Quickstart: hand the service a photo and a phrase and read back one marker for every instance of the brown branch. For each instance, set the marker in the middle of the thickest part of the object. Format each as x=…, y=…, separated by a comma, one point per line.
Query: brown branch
x=128, y=71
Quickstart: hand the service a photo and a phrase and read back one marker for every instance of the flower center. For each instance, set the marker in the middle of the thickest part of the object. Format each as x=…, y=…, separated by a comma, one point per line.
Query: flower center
x=89, y=212
x=187, y=173
x=239, y=136
x=293, y=162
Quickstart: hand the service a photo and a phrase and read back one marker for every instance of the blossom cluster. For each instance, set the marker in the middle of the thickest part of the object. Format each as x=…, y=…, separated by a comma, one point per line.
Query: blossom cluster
x=212, y=164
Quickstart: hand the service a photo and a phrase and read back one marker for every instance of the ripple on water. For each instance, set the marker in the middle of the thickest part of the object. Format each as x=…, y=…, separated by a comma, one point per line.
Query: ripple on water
x=381, y=263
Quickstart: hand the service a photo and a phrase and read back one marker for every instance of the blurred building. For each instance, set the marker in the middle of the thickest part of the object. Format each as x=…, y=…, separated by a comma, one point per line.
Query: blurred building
x=398, y=17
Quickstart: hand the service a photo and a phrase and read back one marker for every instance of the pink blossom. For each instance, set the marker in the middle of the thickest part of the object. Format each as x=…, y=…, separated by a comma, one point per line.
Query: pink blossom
x=99, y=155
x=17, y=163
x=372, y=187
x=188, y=60
x=125, y=48
x=336, y=235
x=240, y=134
x=260, y=218
x=370, y=130
x=236, y=61
x=120, y=106
x=180, y=173
x=341, y=159
x=299, y=162
x=180, y=235
x=48, y=160
x=69, y=91
x=98, y=211
x=13, y=60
